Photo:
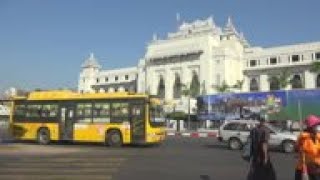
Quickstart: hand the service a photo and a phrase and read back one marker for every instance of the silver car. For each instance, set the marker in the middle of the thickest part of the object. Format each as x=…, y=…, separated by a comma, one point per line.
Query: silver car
x=236, y=132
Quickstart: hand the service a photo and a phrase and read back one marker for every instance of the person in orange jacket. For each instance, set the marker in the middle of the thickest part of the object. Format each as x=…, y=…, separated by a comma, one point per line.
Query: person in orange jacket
x=308, y=146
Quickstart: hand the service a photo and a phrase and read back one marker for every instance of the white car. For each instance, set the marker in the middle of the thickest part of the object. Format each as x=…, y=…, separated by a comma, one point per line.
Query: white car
x=236, y=132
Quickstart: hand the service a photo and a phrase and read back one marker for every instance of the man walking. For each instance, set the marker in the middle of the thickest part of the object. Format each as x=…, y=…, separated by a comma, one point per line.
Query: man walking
x=260, y=165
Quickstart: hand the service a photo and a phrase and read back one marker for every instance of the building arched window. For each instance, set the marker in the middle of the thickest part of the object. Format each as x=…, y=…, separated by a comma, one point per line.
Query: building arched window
x=161, y=87
x=195, y=85
x=177, y=87
x=318, y=81
x=296, y=82
x=254, y=86
x=274, y=83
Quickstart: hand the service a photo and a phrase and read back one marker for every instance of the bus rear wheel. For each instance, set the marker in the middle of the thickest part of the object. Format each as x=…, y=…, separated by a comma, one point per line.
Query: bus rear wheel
x=114, y=138
x=43, y=136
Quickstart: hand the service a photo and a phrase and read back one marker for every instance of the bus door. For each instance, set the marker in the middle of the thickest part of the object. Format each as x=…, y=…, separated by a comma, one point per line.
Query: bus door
x=138, y=123
x=66, y=122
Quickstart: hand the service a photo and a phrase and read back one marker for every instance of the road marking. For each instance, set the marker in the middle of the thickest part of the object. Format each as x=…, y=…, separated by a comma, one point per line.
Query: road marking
x=67, y=160
x=55, y=177
x=58, y=164
x=60, y=168
x=63, y=170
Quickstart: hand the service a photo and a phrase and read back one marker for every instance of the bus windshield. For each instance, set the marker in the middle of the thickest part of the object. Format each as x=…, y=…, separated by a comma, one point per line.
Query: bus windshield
x=157, y=117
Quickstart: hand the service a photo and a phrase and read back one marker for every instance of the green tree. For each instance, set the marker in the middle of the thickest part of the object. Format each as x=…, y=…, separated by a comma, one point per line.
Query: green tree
x=224, y=87
x=315, y=67
x=186, y=91
x=285, y=79
x=282, y=81
x=239, y=84
x=194, y=88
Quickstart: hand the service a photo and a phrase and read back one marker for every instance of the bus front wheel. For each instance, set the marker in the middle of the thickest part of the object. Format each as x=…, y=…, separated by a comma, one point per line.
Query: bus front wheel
x=114, y=138
x=43, y=136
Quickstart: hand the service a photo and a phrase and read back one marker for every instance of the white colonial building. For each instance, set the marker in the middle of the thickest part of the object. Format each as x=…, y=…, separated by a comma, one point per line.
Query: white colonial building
x=263, y=64
x=202, y=56
x=93, y=79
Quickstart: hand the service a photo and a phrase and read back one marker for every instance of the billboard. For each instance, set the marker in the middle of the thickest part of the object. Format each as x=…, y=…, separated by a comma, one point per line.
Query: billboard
x=278, y=105
x=309, y=102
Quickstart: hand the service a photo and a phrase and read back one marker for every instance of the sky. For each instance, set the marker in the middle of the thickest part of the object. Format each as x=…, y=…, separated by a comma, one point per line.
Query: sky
x=43, y=43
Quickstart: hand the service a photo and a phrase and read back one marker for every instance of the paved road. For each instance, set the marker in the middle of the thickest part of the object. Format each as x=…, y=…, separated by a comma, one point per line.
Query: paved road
x=177, y=158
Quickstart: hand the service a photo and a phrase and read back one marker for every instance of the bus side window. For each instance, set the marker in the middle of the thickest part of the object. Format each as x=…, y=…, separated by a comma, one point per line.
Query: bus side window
x=19, y=111
x=119, y=112
x=50, y=110
x=136, y=111
x=33, y=111
x=101, y=112
x=84, y=113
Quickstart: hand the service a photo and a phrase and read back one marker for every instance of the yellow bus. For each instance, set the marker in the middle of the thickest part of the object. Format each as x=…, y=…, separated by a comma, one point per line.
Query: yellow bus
x=112, y=118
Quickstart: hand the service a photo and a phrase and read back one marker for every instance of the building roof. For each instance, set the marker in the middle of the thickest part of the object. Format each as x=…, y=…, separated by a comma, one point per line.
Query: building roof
x=91, y=62
x=283, y=49
x=126, y=70
x=229, y=28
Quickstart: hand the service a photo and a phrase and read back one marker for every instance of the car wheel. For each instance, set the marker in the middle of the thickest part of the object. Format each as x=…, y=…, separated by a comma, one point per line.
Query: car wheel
x=235, y=144
x=114, y=138
x=288, y=146
x=43, y=136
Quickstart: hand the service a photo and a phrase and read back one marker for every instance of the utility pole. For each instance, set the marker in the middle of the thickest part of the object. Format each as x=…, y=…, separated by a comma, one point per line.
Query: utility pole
x=189, y=120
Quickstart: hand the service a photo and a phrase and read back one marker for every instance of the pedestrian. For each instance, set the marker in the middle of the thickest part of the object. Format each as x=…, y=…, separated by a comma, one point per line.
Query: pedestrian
x=308, y=146
x=261, y=167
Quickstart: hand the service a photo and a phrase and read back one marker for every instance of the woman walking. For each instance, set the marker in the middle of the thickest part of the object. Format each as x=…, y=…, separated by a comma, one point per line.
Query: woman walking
x=308, y=144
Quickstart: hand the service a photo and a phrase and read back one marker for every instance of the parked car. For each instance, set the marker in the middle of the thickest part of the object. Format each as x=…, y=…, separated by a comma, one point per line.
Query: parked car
x=236, y=132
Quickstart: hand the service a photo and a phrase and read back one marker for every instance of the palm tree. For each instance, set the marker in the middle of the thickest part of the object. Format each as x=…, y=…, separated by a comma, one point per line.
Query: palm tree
x=194, y=87
x=282, y=81
x=285, y=79
x=224, y=87
x=315, y=67
x=187, y=91
x=239, y=84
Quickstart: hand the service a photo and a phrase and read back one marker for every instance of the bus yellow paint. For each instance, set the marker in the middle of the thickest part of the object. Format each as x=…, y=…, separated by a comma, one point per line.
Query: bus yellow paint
x=88, y=117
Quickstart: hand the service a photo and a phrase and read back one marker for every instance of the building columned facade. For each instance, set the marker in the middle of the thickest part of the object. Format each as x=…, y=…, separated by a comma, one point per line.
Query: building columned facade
x=202, y=57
